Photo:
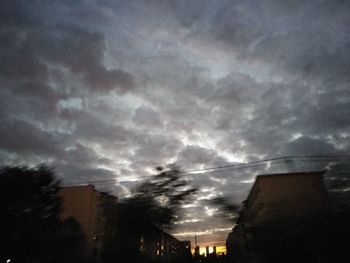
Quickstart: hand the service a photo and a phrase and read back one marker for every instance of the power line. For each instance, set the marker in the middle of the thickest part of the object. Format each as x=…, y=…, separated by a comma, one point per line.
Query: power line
x=310, y=158
x=274, y=160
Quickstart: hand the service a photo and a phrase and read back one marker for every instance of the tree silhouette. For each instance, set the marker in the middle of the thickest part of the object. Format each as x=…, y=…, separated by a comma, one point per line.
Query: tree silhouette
x=29, y=210
x=155, y=204
x=31, y=230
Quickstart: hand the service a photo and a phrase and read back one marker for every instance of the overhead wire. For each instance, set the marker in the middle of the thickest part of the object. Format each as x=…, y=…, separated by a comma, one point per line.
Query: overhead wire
x=223, y=168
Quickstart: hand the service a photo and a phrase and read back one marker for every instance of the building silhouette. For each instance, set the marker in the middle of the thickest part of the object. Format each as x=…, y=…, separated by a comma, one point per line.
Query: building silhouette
x=160, y=245
x=214, y=250
x=186, y=248
x=288, y=218
x=207, y=251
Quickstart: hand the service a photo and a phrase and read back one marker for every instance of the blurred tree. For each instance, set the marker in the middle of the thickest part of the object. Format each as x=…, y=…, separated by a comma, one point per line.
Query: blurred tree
x=157, y=201
x=70, y=243
x=155, y=204
x=29, y=211
x=31, y=230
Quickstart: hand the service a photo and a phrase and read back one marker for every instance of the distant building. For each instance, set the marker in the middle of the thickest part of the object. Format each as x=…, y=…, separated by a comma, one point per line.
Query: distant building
x=95, y=212
x=197, y=251
x=207, y=251
x=286, y=218
x=161, y=245
x=186, y=248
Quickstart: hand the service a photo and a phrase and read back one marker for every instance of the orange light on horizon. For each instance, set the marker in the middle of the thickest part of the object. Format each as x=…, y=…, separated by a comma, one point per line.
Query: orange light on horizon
x=202, y=250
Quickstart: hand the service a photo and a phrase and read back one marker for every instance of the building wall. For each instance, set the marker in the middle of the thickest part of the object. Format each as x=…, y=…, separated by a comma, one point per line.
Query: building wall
x=288, y=218
x=279, y=196
x=96, y=212
x=81, y=203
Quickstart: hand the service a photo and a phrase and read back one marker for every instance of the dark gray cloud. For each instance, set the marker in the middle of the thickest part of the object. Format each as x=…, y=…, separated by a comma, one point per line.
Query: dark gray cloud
x=37, y=52
x=147, y=117
x=22, y=138
x=111, y=89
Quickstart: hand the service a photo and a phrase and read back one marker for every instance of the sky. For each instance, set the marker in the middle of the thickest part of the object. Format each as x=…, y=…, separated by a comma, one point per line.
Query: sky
x=111, y=89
